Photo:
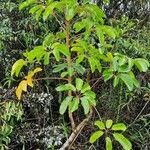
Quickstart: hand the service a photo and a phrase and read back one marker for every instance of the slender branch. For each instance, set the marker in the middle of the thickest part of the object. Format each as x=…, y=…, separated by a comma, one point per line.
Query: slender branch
x=60, y=23
x=139, y=113
x=69, y=61
x=51, y=78
x=76, y=132
x=96, y=82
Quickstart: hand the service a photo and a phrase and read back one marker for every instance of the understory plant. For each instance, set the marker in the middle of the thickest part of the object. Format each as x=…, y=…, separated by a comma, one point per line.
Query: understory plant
x=80, y=47
x=11, y=112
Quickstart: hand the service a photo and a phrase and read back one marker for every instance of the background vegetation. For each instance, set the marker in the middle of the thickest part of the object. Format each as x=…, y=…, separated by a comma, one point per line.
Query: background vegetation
x=34, y=122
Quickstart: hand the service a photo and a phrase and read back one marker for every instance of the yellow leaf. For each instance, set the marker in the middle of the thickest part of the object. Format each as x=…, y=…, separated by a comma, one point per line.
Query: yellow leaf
x=30, y=75
x=30, y=81
x=29, y=78
x=21, y=87
x=23, y=84
x=37, y=70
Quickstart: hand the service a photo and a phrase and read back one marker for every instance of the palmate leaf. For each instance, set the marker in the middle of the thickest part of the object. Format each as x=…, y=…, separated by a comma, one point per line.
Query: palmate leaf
x=96, y=135
x=126, y=144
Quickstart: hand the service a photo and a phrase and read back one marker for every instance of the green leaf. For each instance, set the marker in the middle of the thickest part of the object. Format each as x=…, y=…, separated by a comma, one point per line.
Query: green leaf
x=86, y=87
x=60, y=67
x=127, y=80
x=85, y=104
x=92, y=101
x=63, y=74
x=79, y=68
x=92, y=64
x=62, y=48
x=74, y=104
x=96, y=135
x=17, y=66
x=95, y=12
x=64, y=104
x=109, y=123
x=107, y=74
x=38, y=13
x=23, y=5
x=100, y=35
x=37, y=53
x=66, y=87
x=56, y=54
x=26, y=4
x=70, y=13
x=80, y=58
x=115, y=64
x=70, y=71
x=115, y=81
x=48, y=40
x=141, y=64
x=79, y=84
x=34, y=9
x=90, y=94
x=108, y=143
x=78, y=26
x=119, y=126
x=100, y=124
x=46, y=58
x=108, y=30
x=126, y=144
x=49, y=10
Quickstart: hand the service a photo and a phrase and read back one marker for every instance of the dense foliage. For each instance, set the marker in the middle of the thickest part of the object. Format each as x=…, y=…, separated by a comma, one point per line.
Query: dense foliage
x=96, y=54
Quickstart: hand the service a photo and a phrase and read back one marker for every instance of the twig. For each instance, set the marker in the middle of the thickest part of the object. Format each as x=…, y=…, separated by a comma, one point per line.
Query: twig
x=69, y=63
x=139, y=114
x=61, y=24
x=96, y=82
x=51, y=78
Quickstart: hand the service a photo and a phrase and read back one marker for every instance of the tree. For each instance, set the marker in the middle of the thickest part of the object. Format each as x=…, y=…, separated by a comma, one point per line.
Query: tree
x=77, y=54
